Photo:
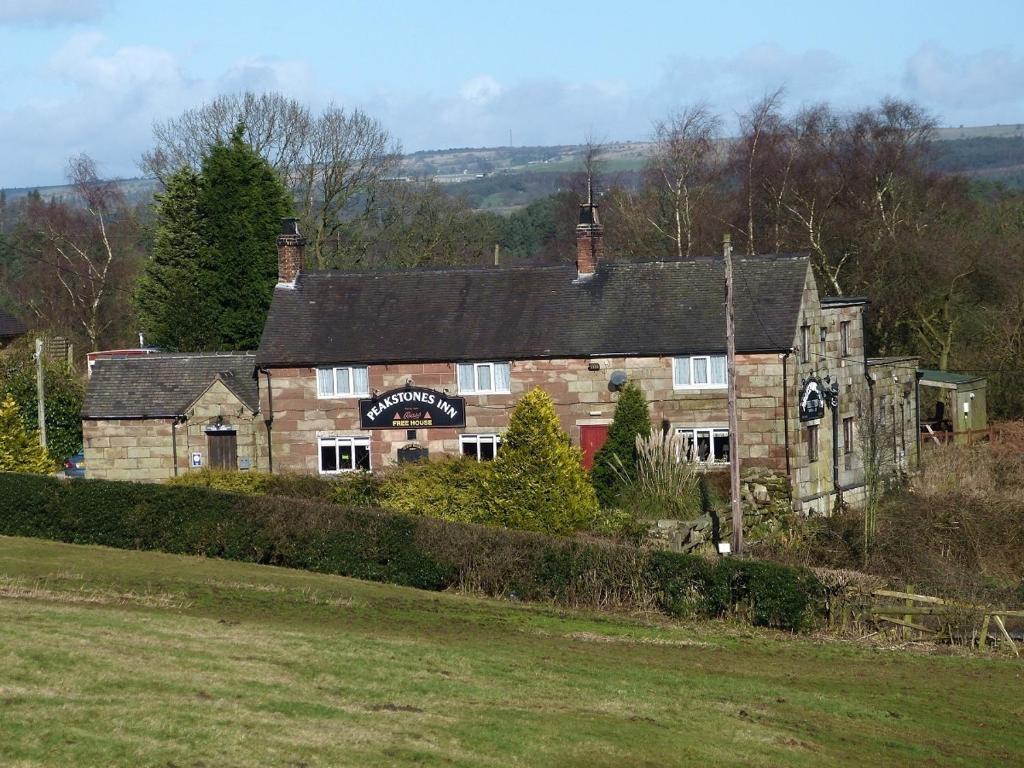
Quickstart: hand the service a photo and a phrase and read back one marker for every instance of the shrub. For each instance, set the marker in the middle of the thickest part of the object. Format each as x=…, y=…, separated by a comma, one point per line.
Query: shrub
x=615, y=463
x=65, y=394
x=662, y=484
x=224, y=480
x=20, y=450
x=415, y=551
x=450, y=489
x=539, y=483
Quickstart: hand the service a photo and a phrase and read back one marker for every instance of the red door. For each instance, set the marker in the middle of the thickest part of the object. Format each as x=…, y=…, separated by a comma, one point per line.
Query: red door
x=592, y=437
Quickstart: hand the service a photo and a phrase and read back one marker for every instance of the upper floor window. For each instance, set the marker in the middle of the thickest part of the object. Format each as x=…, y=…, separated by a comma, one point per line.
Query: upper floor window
x=844, y=338
x=805, y=343
x=343, y=381
x=484, y=378
x=697, y=371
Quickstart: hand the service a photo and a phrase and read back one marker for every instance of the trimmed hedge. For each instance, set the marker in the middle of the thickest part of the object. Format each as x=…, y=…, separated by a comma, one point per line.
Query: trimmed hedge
x=409, y=550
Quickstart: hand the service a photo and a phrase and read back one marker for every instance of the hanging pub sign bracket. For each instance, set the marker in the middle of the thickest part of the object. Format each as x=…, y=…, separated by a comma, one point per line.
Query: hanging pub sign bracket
x=412, y=408
x=812, y=399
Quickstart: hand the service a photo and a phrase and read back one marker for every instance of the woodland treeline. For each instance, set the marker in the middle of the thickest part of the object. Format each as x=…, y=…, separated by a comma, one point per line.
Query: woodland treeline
x=858, y=190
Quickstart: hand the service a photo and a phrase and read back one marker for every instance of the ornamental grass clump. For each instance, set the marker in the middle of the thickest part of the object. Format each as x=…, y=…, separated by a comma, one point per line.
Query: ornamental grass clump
x=539, y=483
x=663, y=484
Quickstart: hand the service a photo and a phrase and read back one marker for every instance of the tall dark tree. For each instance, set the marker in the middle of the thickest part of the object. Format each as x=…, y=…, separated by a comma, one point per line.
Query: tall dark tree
x=175, y=304
x=242, y=202
x=615, y=462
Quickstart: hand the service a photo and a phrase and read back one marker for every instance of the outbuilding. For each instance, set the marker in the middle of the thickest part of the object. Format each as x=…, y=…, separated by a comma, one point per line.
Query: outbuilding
x=155, y=416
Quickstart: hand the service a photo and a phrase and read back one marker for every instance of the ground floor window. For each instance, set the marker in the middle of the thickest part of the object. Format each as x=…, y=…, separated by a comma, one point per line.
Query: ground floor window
x=344, y=454
x=480, y=447
x=705, y=444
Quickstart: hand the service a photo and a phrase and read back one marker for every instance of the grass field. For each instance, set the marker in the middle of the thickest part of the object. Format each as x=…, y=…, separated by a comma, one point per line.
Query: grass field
x=125, y=658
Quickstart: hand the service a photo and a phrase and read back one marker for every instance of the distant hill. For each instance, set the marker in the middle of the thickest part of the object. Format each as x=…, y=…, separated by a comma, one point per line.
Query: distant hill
x=504, y=178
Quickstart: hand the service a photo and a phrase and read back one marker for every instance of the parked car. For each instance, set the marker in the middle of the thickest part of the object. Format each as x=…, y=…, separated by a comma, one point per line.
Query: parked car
x=74, y=466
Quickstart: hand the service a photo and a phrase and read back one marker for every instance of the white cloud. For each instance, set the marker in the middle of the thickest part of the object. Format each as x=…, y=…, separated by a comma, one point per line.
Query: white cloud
x=82, y=61
x=987, y=85
x=50, y=13
x=481, y=89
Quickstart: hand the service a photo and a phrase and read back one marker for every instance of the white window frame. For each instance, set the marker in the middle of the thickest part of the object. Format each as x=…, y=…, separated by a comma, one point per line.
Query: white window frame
x=352, y=441
x=712, y=433
x=688, y=360
x=489, y=365
x=478, y=439
x=342, y=370
x=844, y=338
x=805, y=343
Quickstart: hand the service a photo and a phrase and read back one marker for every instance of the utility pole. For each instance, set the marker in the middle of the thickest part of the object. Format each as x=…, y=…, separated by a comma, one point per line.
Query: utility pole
x=734, y=425
x=41, y=392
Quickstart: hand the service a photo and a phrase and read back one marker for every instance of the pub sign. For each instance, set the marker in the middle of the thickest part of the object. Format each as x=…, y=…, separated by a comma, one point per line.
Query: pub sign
x=812, y=399
x=412, y=408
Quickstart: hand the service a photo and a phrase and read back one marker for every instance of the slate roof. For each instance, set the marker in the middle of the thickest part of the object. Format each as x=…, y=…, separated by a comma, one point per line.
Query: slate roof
x=652, y=308
x=10, y=326
x=164, y=385
x=946, y=377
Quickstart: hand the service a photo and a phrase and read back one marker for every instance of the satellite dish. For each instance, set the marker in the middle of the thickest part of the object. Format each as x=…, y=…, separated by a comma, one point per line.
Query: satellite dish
x=617, y=379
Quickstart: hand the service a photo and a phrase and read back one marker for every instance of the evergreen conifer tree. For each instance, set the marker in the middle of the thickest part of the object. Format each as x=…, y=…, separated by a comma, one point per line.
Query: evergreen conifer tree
x=242, y=202
x=20, y=450
x=174, y=299
x=214, y=266
x=539, y=483
x=631, y=419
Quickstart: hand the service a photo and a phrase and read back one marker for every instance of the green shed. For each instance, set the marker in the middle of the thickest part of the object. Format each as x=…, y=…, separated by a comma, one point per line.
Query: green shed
x=953, y=406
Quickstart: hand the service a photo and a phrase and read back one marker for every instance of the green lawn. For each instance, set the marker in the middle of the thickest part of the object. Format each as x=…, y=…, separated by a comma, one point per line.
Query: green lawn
x=125, y=658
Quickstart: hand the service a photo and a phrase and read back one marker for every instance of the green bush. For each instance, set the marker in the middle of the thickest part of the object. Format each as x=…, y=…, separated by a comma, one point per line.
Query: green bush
x=539, y=483
x=615, y=463
x=449, y=489
x=417, y=551
x=768, y=594
x=251, y=483
x=65, y=393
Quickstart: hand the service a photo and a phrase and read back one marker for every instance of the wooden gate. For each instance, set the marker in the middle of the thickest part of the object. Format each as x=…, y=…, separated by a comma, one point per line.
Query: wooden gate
x=222, y=447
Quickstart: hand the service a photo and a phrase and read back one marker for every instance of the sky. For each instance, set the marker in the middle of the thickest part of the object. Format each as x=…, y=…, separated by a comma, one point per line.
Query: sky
x=93, y=75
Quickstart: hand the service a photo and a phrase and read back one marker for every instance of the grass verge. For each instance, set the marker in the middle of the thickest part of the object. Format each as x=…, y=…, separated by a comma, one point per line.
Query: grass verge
x=111, y=657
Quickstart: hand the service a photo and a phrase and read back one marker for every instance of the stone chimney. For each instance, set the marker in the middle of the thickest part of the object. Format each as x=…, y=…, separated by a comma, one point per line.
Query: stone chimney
x=291, y=251
x=589, y=240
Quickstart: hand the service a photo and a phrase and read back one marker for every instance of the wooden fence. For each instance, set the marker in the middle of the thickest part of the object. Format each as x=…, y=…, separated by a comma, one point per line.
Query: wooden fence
x=932, y=618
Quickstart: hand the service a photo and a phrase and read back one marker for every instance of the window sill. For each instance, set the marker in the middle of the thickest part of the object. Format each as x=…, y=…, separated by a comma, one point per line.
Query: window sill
x=342, y=397
x=489, y=392
x=702, y=388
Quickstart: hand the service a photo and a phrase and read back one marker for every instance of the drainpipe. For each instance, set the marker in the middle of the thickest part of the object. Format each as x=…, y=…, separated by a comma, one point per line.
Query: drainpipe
x=269, y=422
x=785, y=411
x=174, y=443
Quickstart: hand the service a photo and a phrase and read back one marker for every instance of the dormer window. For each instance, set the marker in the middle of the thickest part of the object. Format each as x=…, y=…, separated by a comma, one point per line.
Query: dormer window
x=484, y=378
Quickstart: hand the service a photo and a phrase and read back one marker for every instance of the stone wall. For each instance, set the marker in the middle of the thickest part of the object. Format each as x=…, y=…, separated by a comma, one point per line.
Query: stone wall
x=767, y=510
x=143, y=449
x=582, y=397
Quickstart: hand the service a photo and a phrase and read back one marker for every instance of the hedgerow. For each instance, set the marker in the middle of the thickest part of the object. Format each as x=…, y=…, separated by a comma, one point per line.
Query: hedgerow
x=411, y=550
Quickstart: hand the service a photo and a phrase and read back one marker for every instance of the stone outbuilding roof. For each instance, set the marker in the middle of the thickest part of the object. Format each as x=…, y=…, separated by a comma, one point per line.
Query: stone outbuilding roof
x=651, y=308
x=165, y=385
x=10, y=326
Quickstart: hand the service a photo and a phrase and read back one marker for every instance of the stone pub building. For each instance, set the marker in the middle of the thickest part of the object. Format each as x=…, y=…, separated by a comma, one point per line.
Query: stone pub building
x=358, y=370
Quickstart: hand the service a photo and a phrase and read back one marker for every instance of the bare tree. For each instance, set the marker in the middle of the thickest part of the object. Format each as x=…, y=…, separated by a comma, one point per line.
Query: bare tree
x=685, y=162
x=758, y=127
x=334, y=162
x=80, y=256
